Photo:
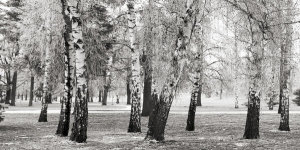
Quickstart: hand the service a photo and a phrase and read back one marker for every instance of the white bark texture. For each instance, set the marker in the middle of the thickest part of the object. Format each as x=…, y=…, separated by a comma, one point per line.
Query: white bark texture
x=135, y=84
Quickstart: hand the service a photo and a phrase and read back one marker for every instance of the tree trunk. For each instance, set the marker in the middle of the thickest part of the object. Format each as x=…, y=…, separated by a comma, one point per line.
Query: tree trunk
x=8, y=87
x=7, y=98
x=284, y=119
x=285, y=73
x=118, y=100
x=161, y=110
x=236, y=102
x=201, y=59
x=49, y=100
x=135, y=115
x=88, y=95
x=190, y=126
x=153, y=115
x=25, y=95
x=196, y=74
x=254, y=95
x=199, y=100
x=79, y=129
x=100, y=91
x=147, y=98
x=46, y=92
x=252, y=123
x=271, y=102
x=280, y=100
x=14, y=89
x=65, y=113
x=236, y=67
x=128, y=91
x=272, y=92
x=280, y=86
x=105, y=93
x=107, y=80
x=31, y=90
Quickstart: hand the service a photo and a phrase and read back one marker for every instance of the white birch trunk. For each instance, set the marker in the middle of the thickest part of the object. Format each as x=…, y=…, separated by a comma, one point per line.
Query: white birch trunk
x=135, y=115
x=46, y=94
x=79, y=130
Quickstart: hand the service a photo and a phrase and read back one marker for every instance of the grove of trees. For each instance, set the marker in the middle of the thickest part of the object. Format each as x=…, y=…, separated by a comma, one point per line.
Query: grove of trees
x=149, y=51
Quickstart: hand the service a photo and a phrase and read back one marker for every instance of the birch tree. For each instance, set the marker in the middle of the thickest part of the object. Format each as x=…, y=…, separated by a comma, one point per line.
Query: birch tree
x=159, y=116
x=197, y=66
x=107, y=80
x=46, y=93
x=135, y=114
x=253, y=17
x=64, y=121
x=79, y=129
x=285, y=67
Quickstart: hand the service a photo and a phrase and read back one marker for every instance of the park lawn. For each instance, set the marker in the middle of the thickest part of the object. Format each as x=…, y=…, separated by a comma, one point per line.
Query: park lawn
x=109, y=131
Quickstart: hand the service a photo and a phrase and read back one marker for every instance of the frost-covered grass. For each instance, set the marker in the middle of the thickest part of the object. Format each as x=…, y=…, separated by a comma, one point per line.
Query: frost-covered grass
x=108, y=131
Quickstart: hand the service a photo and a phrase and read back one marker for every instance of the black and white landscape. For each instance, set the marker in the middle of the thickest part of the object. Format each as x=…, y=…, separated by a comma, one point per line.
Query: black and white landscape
x=149, y=74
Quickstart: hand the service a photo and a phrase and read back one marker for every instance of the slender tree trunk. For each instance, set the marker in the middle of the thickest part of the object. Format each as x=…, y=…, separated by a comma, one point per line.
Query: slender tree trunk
x=135, y=115
x=100, y=91
x=284, y=119
x=128, y=91
x=46, y=92
x=65, y=113
x=254, y=96
x=156, y=129
x=118, y=100
x=31, y=89
x=8, y=87
x=280, y=100
x=7, y=98
x=88, y=95
x=192, y=109
x=201, y=59
x=272, y=92
x=46, y=88
x=79, y=129
x=197, y=82
x=49, y=101
x=25, y=95
x=280, y=87
x=199, y=99
x=236, y=101
x=107, y=80
x=285, y=71
x=236, y=66
x=105, y=93
x=14, y=89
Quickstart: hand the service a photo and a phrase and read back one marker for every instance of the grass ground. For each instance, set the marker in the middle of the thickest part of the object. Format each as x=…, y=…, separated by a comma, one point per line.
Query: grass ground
x=108, y=131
